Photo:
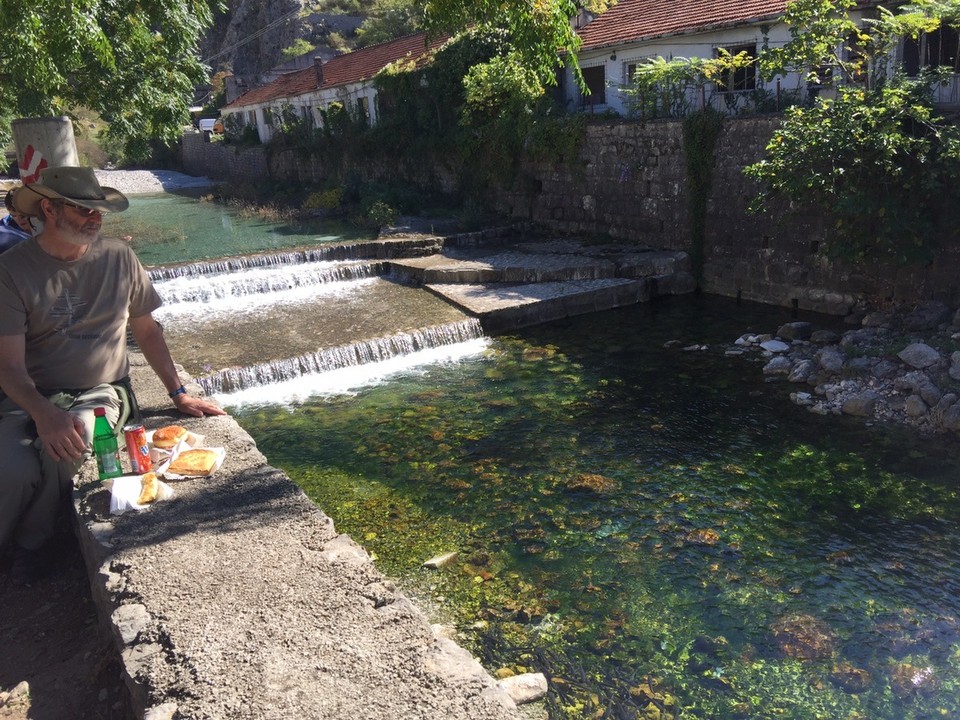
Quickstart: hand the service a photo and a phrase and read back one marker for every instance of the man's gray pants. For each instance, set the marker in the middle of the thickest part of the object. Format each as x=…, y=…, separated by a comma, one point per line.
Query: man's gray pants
x=32, y=483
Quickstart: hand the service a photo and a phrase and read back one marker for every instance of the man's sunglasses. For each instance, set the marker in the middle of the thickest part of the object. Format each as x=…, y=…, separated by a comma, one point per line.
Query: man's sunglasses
x=86, y=212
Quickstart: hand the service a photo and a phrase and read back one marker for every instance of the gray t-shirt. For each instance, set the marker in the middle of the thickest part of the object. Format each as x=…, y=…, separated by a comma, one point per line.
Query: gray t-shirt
x=73, y=314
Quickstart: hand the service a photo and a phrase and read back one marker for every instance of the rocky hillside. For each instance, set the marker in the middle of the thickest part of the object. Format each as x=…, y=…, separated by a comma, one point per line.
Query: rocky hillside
x=249, y=37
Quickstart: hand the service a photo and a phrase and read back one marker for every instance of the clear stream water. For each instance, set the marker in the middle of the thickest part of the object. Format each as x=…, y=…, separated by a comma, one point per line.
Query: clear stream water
x=659, y=531
x=169, y=228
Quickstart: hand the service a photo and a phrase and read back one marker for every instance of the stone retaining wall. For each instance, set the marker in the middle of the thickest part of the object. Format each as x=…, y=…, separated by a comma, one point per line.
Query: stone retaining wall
x=629, y=182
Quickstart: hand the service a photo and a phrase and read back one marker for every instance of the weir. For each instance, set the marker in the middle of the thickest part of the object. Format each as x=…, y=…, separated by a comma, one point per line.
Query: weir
x=203, y=289
x=266, y=324
x=369, y=250
x=336, y=358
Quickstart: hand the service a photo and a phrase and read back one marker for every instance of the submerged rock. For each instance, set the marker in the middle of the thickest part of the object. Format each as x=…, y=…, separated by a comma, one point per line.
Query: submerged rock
x=703, y=536
x=804, y=637
x=862, y=404
x=526, y=688
x=795, y=331
x=851, y=679
x=907, y=680
x=591, y=483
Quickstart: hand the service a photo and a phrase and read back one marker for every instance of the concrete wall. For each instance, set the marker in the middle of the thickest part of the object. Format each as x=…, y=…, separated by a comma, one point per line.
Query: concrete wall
x=629, y=184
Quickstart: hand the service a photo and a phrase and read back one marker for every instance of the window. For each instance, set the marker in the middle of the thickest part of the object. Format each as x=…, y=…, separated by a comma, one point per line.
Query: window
x=595, y=78
x=306, y=114
x=939, y=48
x=252, y=118
x=629, y=70
x=267, y=116
x=742, y=78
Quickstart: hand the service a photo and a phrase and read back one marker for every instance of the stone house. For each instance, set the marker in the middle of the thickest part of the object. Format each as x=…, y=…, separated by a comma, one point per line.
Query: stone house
x=634, y=31
x=345, y=79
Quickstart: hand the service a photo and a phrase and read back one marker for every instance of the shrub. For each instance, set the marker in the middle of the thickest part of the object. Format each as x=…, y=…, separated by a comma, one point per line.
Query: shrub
x=380, y=214
x=324, y=200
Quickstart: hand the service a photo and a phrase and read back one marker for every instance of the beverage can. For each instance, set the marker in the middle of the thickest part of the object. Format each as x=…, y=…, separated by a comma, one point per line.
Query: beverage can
x=137, y=449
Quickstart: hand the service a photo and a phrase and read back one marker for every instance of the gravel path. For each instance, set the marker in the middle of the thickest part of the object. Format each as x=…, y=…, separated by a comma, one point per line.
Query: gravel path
x=139, y=182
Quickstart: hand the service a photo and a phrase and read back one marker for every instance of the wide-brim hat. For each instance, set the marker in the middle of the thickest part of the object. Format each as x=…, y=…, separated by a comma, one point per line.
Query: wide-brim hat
x=76, y=185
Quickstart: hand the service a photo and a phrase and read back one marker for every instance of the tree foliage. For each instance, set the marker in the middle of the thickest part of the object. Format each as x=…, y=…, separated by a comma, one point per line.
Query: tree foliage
x=388, y=20
x=675, y=87
x=297, y=48
x=873, y=153
x=537, y=30
x=134, y=62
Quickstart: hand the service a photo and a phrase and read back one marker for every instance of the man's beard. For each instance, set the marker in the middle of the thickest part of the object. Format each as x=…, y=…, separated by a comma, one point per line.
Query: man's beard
x=75, y=235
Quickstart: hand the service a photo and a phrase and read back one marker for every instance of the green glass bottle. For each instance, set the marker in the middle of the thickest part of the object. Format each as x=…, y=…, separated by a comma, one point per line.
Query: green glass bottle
x=105, y=446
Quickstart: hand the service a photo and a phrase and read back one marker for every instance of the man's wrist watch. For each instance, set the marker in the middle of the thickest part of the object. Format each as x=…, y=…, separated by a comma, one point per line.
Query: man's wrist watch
x=179, y=391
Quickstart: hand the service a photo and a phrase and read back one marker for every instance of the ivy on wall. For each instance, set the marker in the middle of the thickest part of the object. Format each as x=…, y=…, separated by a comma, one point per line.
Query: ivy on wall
x=701, y=131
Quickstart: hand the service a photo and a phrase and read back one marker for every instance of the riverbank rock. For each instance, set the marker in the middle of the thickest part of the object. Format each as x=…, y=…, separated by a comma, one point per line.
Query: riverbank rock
x=919, y=355
x=526, y=688
x=899, y=366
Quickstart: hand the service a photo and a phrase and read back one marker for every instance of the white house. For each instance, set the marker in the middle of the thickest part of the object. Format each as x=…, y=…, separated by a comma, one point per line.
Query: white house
x=345, y=79
x=633, y=31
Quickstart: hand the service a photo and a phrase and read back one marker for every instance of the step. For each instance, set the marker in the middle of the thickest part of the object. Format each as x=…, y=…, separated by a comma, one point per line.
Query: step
x=543, y=261
x=504, y=306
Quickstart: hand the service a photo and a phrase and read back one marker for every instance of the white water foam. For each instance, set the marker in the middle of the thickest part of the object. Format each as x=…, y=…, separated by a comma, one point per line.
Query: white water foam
x=197, y=298
x=349, y=380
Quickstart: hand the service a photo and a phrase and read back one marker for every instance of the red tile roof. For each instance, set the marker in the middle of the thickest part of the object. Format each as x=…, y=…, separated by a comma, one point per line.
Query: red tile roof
x=344, y=69
x=632, y=20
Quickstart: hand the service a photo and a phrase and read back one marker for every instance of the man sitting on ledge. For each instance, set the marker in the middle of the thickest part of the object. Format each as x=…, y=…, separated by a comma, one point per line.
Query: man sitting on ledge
x=66, y=299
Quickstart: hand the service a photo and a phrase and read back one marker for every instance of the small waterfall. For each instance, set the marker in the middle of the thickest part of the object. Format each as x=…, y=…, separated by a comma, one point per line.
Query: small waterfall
x=369, y=250
x=343, y=356
x=256, y=281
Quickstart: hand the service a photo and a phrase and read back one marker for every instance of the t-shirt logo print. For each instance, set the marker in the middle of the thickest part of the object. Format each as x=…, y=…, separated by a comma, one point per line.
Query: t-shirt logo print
x=69, y=307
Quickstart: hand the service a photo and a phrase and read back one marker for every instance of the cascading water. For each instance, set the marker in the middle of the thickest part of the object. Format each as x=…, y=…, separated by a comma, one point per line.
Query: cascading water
x=277, y=318
x=363, y=352
x=257, y=280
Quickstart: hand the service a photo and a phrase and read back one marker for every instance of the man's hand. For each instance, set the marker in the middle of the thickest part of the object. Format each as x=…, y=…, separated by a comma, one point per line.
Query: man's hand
x=149, y=337
x=198, y=407
x=61, y=434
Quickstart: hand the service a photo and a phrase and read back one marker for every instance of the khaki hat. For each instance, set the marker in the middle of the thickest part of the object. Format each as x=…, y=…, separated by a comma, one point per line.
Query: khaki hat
x=76, y=185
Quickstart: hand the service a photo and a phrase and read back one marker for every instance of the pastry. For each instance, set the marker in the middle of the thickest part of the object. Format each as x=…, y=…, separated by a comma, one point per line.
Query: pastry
x=149, y=487
x=199, y=461
x=168, y=436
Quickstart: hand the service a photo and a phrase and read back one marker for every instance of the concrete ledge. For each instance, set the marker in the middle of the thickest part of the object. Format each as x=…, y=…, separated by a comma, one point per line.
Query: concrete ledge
x=501, y=307
x=238, y=599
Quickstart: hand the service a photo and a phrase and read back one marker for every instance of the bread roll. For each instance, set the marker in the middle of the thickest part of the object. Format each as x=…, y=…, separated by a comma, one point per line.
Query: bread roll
x=168, y=436
x=149, y=487
x=197, y=462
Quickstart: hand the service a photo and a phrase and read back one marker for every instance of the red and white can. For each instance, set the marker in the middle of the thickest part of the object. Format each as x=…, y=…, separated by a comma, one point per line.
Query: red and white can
x=137, y=449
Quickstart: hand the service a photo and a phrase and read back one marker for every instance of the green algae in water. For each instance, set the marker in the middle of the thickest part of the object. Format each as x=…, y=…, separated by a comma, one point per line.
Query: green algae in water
x=651, y=528
x=168, y=228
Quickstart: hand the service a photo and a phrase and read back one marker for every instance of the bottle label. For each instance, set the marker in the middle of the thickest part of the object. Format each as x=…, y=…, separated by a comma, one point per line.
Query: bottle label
x=110, y=464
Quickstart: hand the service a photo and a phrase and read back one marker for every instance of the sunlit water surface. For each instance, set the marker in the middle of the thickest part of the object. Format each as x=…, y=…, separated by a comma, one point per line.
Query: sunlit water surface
x=168, y=228
x=650, y=527
x=655, y=529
